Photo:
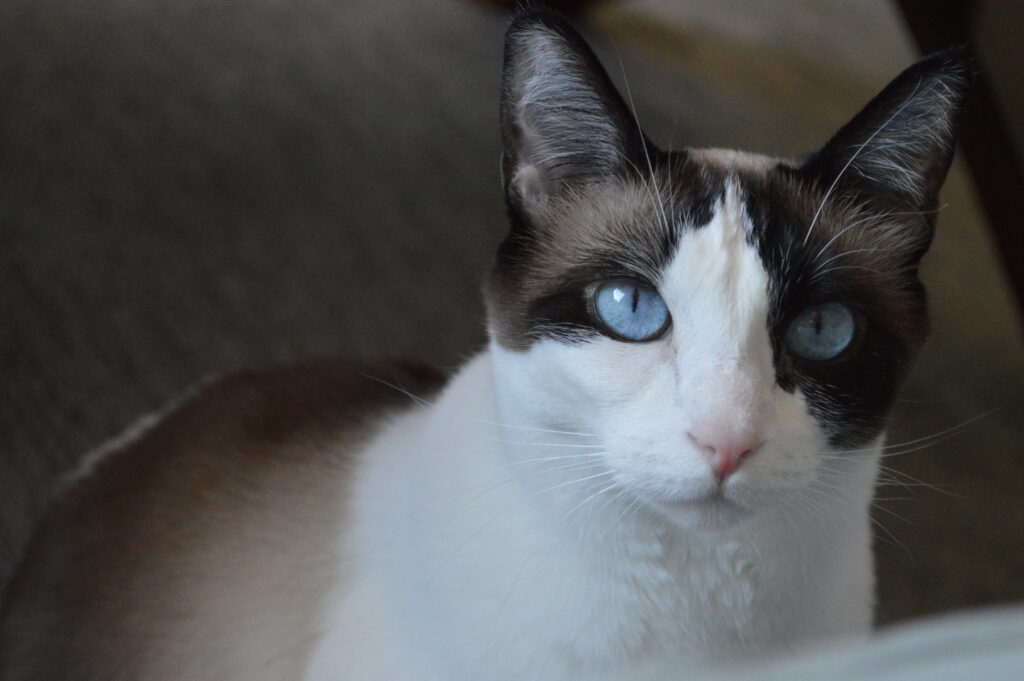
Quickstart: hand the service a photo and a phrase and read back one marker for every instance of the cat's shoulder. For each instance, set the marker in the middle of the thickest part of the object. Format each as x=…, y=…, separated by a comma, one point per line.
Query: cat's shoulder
x=223, y=507
x=314, y=400
x=259, y=422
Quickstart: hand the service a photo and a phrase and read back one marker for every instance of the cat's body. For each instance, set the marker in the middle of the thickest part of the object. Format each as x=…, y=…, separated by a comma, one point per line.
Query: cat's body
x=203, y=547
x=565, y=584
x=295, y=544
x=665, y=456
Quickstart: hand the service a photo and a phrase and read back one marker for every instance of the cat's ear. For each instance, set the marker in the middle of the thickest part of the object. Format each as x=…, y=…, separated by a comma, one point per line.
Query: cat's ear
x=562, y=120
x=899, y=147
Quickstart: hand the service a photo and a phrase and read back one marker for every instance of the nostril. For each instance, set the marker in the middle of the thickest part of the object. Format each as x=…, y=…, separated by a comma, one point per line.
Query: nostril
x=699, y=443
x=725, y=454
x=725, y=463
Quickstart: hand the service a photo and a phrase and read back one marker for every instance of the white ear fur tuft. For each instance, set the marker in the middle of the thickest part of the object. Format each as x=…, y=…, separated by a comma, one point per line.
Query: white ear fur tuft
x=528, y=184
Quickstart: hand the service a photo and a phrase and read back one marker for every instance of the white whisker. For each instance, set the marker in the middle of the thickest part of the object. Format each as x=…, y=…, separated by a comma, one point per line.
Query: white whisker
x=534, y=429
x=527, y=443
x=557, y=458
x=853, y=157
x=643, y=143
x=846, y=253
x=415, y=398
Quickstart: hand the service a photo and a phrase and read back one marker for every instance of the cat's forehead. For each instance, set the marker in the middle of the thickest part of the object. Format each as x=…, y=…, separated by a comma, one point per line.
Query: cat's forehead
x=681, y=188
x=733, y=160
x=638, y=222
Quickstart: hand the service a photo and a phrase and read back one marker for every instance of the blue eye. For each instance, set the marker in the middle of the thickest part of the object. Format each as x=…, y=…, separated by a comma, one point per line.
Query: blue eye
x=631, y=311
x=821, y=332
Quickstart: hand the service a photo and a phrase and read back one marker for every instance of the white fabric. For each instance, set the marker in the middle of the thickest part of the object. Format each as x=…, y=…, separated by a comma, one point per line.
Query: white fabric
x=977, y=646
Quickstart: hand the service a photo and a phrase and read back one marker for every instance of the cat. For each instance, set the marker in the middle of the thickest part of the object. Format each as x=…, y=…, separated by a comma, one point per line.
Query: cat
x=663, y=458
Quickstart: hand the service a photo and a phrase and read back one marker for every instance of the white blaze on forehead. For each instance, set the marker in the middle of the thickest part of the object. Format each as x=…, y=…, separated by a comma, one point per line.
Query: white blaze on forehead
x=716, y=288
x=716, y=285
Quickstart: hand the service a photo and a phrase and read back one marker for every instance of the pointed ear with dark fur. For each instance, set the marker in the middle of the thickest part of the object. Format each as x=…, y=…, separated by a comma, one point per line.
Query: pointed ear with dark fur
x=898, y=149
x=562, y=120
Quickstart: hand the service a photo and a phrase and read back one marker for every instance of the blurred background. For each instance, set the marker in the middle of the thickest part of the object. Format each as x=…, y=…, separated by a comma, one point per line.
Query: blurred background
x=189, y=187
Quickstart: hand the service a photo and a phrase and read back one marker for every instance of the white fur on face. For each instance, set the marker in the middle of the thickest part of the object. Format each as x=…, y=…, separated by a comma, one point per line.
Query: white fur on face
x=712, y=373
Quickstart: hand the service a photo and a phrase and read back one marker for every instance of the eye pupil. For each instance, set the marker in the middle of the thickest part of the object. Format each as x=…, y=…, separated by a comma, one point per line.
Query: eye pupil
x=630, y=310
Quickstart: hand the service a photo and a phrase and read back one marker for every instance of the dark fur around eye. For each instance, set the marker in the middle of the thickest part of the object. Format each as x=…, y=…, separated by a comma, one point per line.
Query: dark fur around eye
x=852, y=394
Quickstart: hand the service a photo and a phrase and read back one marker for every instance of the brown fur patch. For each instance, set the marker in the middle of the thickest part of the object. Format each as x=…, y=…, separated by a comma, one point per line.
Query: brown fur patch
x=593, y=231
x=202, y=550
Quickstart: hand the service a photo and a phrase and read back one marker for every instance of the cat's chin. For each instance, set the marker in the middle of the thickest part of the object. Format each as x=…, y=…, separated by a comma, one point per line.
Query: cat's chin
x=710, y=514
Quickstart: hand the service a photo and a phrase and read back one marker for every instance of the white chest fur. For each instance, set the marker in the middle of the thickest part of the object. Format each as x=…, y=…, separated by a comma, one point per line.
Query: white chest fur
x=464, y=560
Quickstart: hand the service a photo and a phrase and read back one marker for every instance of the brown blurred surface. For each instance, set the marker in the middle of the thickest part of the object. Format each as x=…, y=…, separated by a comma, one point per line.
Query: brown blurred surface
x=190, y=187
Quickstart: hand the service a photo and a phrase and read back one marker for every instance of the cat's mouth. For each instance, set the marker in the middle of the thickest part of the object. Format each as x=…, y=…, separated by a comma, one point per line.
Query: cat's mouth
x=713, y=499
x=714, y=509
x=713, y=513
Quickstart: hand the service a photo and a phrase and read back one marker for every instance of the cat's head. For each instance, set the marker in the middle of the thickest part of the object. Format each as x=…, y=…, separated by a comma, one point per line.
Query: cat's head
x=726, y=324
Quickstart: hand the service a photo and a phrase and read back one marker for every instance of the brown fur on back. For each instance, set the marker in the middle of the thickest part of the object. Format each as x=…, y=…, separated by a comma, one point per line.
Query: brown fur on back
x=202, y=549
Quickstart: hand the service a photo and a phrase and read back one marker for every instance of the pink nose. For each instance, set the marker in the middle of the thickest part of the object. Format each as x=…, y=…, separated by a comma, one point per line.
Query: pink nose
x=725, y=451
